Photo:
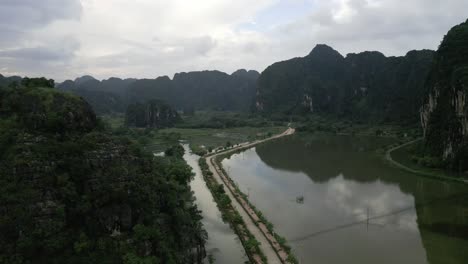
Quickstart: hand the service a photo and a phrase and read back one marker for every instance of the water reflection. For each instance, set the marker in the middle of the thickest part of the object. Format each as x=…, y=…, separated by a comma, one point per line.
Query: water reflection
x=344, y=183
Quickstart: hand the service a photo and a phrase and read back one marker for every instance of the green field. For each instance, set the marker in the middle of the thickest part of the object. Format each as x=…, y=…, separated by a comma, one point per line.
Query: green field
x=209, y=137
x=330, y=124
x=114, y=121
x=202, y=131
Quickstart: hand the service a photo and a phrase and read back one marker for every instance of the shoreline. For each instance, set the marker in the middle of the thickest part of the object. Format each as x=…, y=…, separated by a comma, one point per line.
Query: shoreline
x=389, y=158
x=274, y=251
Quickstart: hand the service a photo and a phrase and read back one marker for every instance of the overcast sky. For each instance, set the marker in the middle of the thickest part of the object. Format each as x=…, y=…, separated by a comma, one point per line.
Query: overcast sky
x=64, y=39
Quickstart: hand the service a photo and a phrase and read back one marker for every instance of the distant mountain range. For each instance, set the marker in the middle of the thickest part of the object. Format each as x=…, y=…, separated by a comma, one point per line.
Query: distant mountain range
x=423, y=86
x=204, y=90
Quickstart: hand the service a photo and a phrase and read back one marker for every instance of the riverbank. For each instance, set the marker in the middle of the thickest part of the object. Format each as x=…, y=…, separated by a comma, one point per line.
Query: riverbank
x=434, y=174
x=274, y=251
x=223, y=245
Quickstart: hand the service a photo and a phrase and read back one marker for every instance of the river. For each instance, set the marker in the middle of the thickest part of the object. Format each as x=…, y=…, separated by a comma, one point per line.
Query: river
x=337, y=201
x=223, y=244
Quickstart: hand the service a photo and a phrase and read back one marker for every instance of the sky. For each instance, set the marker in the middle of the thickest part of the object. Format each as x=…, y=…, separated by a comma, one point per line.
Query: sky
x=65, y=39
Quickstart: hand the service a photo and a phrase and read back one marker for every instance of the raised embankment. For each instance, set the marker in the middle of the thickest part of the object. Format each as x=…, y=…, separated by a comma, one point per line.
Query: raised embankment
x=274, y=252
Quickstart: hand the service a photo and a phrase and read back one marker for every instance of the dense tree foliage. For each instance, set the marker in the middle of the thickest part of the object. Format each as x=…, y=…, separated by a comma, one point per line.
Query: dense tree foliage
x=38, y=82
x=223, y=119
x=445, y=113
x=365, y=86
x=71, y=193
x=152, y=114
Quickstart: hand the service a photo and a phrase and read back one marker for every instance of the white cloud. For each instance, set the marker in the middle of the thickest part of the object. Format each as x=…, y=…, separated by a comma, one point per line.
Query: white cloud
x=148, y=38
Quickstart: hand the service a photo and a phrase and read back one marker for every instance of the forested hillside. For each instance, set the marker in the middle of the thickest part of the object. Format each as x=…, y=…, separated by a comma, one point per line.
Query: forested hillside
x=444, y=115
x=70, y=192
x=367, y=86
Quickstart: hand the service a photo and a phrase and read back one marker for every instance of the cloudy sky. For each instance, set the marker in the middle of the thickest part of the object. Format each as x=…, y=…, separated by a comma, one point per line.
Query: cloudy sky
x=64, y=39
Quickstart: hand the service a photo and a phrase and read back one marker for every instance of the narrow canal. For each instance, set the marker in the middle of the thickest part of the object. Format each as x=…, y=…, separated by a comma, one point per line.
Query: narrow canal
x=223, y=244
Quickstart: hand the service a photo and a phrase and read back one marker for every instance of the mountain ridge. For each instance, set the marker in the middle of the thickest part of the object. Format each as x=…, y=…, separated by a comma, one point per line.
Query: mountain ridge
x=444, y=115
x=357, y=86
x=200, y=90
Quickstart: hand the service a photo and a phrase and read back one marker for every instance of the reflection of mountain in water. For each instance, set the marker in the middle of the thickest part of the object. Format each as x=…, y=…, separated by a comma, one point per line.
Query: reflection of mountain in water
x=441, y=207
x=325, y=157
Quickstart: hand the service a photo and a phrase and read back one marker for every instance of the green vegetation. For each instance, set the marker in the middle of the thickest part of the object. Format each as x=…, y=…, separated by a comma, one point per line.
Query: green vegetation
x=230, y=215
x=37, y=82
x=202, y=140
x=363, y=87
x=46, y=110
x=175, y=151
x=207, y=138
x=445, y=110
x=114, y=121
x=330, y=124
x=218, y=120
x=205, y=131
x=71, y=192
x=410, y=157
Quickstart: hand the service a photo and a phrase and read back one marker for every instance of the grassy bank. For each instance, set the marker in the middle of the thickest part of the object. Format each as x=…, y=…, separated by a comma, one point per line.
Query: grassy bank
x=407, y=159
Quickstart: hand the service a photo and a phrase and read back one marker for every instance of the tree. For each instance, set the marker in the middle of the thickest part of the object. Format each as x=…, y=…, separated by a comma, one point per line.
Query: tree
x=38, y=82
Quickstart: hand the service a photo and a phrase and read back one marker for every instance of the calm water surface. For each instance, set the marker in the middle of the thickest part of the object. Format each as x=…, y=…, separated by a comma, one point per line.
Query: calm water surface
x=222, y=243
x=356, y=208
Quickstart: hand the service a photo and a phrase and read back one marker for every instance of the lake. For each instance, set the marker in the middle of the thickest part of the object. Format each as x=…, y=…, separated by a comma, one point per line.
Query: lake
x=336, y=200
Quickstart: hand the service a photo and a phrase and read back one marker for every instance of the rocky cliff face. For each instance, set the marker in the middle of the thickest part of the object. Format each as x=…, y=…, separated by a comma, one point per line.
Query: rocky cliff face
x=363, y=86
x=444, y=113
x=152, y=114
x=70, y=193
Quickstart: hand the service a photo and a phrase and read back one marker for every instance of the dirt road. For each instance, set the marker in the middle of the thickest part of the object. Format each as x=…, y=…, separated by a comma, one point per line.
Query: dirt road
x=274, y=253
